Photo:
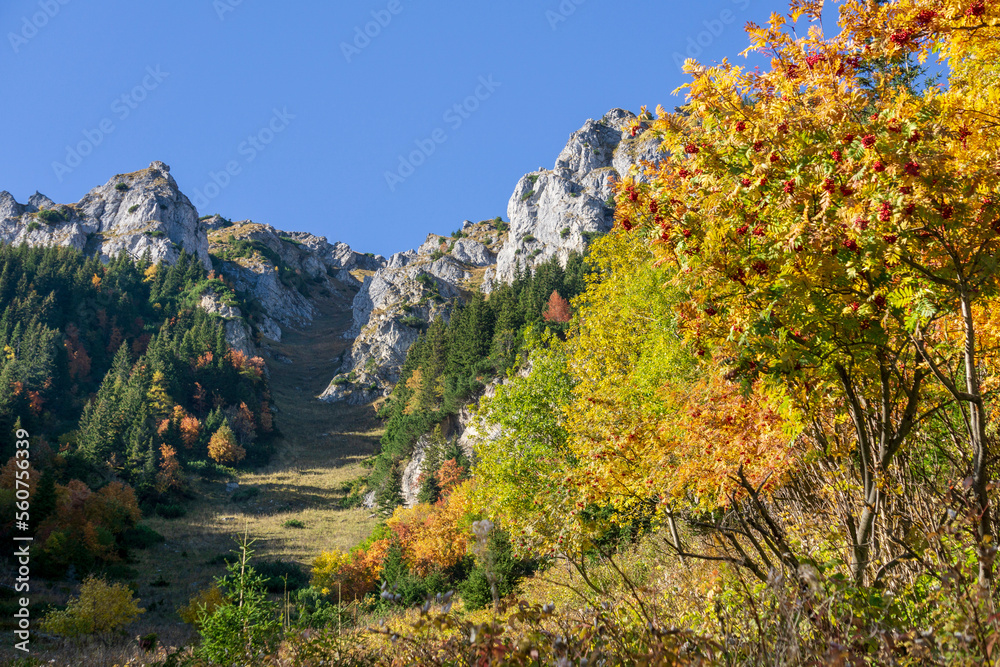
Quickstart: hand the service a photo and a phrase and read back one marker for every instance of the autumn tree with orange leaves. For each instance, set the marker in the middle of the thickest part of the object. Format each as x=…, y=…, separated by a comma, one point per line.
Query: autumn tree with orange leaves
x=839, y=238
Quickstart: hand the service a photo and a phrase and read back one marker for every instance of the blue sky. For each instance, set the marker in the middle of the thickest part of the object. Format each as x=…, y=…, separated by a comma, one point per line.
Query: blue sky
x=299, y=115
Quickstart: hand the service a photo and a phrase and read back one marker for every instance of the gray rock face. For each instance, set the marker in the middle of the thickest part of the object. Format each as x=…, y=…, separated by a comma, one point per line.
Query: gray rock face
x=410, y=484
x=135, y=213
x=281, y=269
x=473, y=253
x=238, y=333
x=554, y=213
x=399, y=300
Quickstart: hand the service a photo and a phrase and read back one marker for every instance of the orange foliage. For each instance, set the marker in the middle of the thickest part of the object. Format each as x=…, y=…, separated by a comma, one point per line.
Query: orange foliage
x=169, y=475
x=558, y=309
x=266, y=420
x=79, y=360
x=114, y=340
x=433, y=537
x=223, y=446
x=89, y=519
x=204, y=360
x=8, y=475
x=190, y=429
x=448, y=476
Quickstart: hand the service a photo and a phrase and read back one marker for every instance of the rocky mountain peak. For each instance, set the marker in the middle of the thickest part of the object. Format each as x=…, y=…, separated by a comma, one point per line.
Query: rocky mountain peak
x=141, y=212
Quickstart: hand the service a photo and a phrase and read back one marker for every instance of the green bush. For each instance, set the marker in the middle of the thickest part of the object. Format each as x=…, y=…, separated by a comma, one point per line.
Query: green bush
x=527, y=195
x=246, y=627
x=170, y=511
x=210, y=469
x=33, y=225
x=133, y=208
x=564, y=232
x=140, y=537
x=294, y=523
x=245, y=493
x=315, y=611
x=500, y=561
x=155, y=234
x=275, y=573
x=528, y=238
x=51, y=216
x=413, y=321
x=121, y=187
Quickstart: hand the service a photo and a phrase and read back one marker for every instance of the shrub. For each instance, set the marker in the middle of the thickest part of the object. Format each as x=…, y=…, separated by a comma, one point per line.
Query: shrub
x=100, y=608
x=133, y=208
x=527, y=195
x=499, y=564
x=33, y=225
x=528, y=238
x=155, y=234
x=210, y=469
x=140, y=537
x=121, y=187
x=277, y=572
x=170, y=511
x=590, y=237
x=500, y=225
x=245, y=628
x=294, y=523
x=204, y=602
x=413, y=321
x=564, y=232
x=315, y=611
x=245, y=493
x=51, y=216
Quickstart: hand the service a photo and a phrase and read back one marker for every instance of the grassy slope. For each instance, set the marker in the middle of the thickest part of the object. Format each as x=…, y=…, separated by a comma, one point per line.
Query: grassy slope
x=320, y=450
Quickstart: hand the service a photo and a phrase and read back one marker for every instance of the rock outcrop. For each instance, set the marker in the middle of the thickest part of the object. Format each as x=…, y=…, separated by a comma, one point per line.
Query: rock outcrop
x=142, y=212
x=282, y=270
x=556, y=212
x=552, y=213
x=397, y=301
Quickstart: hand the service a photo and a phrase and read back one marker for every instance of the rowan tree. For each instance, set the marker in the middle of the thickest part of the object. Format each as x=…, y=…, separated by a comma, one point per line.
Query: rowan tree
x=835, y=236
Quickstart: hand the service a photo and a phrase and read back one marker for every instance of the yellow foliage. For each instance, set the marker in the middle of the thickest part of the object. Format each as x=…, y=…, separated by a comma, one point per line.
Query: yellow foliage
x=100, y=608
x=433, y=536
x=202, y=603
x=223, y=446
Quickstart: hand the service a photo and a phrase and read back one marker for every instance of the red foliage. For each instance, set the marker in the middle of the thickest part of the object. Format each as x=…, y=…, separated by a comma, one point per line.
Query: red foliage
x=558, y=309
